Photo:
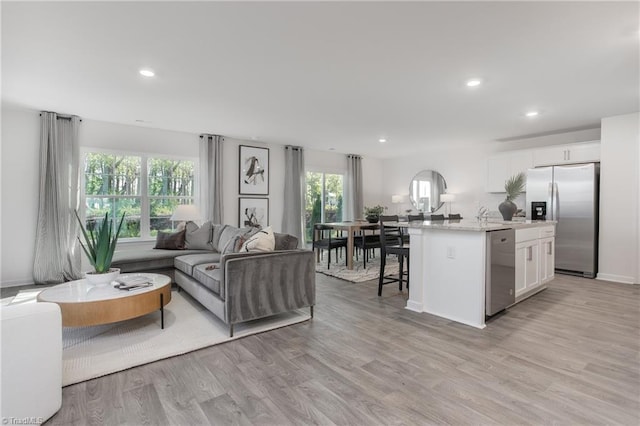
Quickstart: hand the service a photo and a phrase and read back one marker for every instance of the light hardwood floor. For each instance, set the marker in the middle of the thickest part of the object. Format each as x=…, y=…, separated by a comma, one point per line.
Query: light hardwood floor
x=569, y=355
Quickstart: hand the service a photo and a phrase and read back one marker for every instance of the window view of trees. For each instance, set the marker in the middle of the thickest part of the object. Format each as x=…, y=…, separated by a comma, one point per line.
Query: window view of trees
x=113, y=184
x=323, y=201
x=170, y=184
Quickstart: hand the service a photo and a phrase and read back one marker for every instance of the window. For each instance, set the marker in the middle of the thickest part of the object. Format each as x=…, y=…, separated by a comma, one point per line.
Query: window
x=323, y=201
x=113, y=183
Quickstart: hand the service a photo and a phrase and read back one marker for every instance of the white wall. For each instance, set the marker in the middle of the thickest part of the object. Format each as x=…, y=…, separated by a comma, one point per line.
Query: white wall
x=619, y=181
x=20, y=157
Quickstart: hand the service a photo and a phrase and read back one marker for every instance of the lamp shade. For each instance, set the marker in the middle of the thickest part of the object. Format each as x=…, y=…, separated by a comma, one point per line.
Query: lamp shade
x=447, y=198
x=395, y=199
x=185, y=213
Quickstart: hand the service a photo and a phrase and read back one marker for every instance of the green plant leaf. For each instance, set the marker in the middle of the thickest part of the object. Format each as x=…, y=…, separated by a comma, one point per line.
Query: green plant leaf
x=99, y=246
x=515, y=185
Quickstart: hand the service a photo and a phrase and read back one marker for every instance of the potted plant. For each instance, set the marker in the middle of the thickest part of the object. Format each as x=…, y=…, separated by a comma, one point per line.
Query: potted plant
x=99, y=248
x=514, y=186
x=372, y=214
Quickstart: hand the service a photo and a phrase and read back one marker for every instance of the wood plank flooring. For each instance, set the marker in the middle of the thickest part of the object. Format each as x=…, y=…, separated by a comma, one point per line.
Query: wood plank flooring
x=569, y=355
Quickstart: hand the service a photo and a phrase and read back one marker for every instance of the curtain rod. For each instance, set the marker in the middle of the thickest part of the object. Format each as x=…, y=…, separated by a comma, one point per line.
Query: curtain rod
x=63, y=116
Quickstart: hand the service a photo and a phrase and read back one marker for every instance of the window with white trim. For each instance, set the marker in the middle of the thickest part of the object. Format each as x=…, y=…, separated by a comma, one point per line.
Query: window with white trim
x=146, y=188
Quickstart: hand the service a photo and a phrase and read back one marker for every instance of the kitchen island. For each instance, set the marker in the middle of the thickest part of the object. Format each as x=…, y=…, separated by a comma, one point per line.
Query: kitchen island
x=448, y=265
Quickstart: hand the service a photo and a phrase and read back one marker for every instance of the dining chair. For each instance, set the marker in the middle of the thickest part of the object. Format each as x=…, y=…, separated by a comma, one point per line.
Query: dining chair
x=392, y=243
x=322, y=240
x=366, y=243
x=416, y=217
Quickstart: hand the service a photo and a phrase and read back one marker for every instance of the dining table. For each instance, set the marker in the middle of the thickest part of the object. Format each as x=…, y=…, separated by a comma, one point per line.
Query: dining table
x=351, y=228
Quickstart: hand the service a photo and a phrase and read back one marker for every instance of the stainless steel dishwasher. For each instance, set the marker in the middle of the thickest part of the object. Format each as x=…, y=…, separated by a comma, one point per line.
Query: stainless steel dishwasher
x=500, y=278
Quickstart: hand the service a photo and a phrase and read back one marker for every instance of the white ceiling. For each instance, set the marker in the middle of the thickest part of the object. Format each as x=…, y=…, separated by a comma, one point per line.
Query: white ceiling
x=328, y=75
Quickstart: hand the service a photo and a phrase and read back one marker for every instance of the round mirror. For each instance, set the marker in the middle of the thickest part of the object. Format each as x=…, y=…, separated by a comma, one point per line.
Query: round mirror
x=425, y=190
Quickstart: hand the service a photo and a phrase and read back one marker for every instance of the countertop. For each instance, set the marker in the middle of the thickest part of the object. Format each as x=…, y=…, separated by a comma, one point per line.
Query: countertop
x=474, y=225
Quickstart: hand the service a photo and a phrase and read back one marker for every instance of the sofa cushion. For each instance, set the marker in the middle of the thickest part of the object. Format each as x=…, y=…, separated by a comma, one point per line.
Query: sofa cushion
x=188, y=262
x=227, y=234
x=170, y=241
x=261, y=241
x=285, y=241
x=148, y=259
x=208, y=274
x=236, y=237
x=198, y=237
x=216, y=232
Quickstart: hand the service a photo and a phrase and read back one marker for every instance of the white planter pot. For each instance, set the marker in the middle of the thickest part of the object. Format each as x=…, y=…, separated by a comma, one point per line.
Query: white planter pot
x=102, y=279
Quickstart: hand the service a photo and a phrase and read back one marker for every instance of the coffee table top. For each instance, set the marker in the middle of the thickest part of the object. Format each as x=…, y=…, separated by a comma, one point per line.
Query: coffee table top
x=80, y=291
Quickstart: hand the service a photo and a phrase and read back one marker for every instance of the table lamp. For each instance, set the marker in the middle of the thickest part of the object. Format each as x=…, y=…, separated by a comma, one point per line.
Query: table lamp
x=447, y=199
x=397, y=199
x=185, y=213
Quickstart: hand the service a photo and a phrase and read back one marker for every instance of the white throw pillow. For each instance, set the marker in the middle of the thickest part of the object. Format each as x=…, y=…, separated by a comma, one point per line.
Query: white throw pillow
x=262, y=240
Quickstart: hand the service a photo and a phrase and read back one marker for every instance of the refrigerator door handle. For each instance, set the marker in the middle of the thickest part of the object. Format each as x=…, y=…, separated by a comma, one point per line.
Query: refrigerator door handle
x=556, y=207
x=550, y=201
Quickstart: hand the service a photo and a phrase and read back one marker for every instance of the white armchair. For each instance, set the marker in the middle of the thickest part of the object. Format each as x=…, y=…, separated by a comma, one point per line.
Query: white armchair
x=31, y=366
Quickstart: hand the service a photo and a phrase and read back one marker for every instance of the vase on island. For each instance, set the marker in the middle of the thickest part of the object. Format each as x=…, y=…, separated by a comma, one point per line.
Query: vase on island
x=507, y=209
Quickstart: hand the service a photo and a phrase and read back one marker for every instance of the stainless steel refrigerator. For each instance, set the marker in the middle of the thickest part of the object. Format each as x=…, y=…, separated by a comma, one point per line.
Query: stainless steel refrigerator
x=571, y=196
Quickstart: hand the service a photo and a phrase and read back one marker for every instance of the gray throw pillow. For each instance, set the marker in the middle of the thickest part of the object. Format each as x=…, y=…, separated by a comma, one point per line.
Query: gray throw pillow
x=170, y=241
x=216, y=232
x=198, y=238
x=226, y=236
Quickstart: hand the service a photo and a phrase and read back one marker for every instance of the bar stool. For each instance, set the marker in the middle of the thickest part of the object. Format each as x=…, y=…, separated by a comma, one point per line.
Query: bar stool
x=391, y=242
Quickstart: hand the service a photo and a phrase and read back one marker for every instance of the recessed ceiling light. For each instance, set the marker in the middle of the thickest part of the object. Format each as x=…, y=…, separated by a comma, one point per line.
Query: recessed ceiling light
x=147, y=73
x=382, y=140
x=532, y=114
x=474, y=82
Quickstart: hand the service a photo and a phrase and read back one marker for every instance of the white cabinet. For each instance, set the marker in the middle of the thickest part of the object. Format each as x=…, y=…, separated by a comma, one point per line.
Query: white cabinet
x=527, y=266
x=535, y=254
x=547, y=259
x=502, y=166
x=567, y=154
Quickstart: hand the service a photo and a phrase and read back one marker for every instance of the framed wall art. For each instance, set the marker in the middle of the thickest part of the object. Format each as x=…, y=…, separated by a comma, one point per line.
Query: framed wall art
x=253, y=212
x=254, y=170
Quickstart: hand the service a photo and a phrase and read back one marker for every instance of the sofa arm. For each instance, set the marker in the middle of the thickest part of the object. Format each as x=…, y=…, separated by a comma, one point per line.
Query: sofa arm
x=258, y=285
x=31, y=361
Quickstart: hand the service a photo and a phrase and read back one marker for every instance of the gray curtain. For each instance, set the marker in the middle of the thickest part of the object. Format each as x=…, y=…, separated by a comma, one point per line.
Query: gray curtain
x=57, y=257
x=353, y=195
x=211, y=177
x=294, y=187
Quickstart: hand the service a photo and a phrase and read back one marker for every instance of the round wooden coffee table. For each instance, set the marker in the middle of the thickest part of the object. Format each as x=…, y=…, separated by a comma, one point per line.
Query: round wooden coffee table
x=83, y=304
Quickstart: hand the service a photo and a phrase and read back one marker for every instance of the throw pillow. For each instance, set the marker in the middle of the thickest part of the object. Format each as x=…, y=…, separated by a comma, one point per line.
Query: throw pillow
x=216, y=233
x=261, y=241
x=227, y=234
x=198, y=238
x=170, y=241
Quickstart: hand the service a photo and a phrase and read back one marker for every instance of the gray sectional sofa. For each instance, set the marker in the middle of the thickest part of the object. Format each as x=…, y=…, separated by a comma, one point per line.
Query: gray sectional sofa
x=236, y=287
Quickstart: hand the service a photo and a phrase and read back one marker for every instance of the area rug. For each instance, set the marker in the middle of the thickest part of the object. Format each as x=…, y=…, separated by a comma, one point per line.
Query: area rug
x=90, y=352
x=359, y=273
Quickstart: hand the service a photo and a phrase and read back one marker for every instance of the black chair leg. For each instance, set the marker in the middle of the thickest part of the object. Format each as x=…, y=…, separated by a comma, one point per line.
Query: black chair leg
x=329, y=260
x=407, y=272
x=401, y=261
x=381, y=278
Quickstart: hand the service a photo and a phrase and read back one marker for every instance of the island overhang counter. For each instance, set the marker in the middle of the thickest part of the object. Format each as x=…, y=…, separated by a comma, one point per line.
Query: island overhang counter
x=448, y=265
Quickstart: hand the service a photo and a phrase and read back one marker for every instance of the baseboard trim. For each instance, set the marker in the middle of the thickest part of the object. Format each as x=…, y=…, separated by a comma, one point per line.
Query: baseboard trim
x=414, y=306
x=616, y=278
x=16, y=283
